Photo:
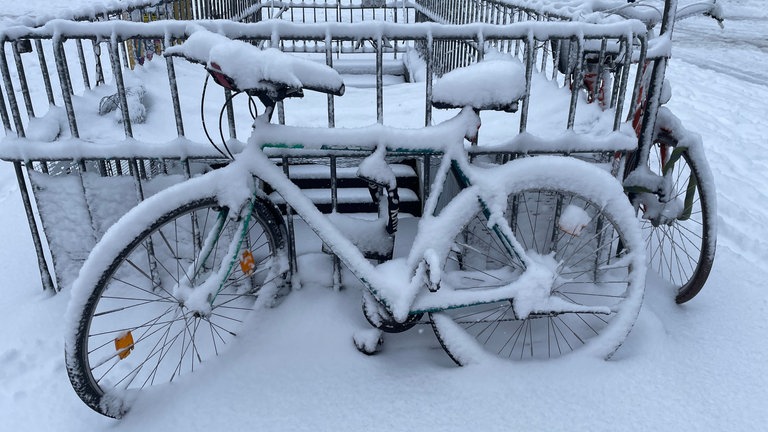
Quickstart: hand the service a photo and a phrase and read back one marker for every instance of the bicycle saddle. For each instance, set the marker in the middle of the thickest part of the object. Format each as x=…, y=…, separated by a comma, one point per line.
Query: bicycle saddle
x=240, y=66
x=496, y=84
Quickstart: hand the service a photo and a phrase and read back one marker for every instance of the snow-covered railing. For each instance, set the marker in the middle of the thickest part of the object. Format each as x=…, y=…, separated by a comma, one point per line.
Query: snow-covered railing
x=49, y=105
x=452, y=54
x=140, y=10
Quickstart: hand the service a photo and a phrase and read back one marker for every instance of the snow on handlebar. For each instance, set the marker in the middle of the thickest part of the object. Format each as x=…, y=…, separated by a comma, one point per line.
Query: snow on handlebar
x=247, y=68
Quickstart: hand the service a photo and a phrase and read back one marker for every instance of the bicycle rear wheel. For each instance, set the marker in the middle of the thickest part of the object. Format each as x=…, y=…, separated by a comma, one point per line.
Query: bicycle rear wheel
x=591, y=241
x=682, y=250
x=134, y=331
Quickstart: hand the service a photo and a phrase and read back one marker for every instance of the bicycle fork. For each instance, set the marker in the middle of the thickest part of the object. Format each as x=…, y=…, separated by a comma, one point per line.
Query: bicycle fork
x=200, y=298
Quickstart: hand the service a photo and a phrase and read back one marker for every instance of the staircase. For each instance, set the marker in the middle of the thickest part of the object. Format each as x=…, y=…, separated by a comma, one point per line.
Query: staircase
x=353, y=195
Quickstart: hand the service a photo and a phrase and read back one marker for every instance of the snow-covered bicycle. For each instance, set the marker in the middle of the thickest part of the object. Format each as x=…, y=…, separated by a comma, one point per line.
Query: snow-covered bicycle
x=667, y=178
x=534, y=258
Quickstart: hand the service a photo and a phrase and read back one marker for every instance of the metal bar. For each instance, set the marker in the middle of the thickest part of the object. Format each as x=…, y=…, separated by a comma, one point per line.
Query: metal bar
x=557, y=46
x=65, y=63
x=42, y=264
x=651, y=109
x=97, y=58
x=124, y=53
x=430, y=58
x=622, y=89
x=8, y=83
x=230, y=114
x=331, y=100
x=480, y=46
x=334, y=185
x=426, y=181
x=4, y=115
x=44, y=71
x=120, y=84
x=529, y=47
x=23, y=81
x=599, y=82
x=544, y=56
x=280, y=112
x=174, y=91
x=137, y=174
x=577, y=82
x=639, y=75
x=289, y=222
x=118, y=74
x=379, y=80
x=83, y=67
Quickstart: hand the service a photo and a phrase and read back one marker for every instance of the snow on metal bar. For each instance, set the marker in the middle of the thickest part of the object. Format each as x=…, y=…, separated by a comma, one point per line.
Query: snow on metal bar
x=342, y=31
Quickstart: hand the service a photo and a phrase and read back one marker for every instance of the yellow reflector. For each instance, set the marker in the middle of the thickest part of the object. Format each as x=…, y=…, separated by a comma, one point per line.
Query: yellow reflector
x=247, y=263
x=124, y=345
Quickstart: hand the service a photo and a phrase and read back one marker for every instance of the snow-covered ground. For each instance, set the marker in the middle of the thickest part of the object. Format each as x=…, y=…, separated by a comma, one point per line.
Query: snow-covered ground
x=700, y=366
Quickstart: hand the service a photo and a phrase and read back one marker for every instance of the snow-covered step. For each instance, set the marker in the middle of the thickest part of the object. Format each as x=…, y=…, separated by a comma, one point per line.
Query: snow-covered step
x=346, y=196
x=369, y=81
x=318, y=176
x=317, y=171
x=367, y=66
x=353, y=195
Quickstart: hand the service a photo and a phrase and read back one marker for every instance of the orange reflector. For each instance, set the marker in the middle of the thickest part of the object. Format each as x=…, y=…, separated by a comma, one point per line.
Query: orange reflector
x=247, y=263
x=124, y=345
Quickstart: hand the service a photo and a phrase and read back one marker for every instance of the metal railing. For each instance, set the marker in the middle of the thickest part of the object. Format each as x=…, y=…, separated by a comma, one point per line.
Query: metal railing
x=102, y=60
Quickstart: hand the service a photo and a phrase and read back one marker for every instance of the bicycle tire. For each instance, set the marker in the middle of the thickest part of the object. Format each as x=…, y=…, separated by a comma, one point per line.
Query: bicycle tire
x=682, y=252
x=610, y=274
x=107, y=367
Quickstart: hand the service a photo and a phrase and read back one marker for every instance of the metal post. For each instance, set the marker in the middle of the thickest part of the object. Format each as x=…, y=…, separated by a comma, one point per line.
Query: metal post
x=429, y=72
x=45, y=273
x=617, y=98
x=379, y=80
x=4, y=115
x=334, y=185
x=577, y=81
x=44, y=71
x=331, y=100
x=97, y=58
x=83, y=68
x=174, y=92
x=529, y=47
x=23, y=81
x=66, y=90
x=293, y=263
x=230, y=114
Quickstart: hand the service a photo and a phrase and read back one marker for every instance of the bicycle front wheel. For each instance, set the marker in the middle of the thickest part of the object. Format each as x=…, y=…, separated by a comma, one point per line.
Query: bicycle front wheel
x=134, y=330
x=593, y=244
x=682, y=250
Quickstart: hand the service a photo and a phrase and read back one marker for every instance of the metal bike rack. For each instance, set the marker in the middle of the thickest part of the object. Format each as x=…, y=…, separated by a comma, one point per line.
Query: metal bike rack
x=90, y=53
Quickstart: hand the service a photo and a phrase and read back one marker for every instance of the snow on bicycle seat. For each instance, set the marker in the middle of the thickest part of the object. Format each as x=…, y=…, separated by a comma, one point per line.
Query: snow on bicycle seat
x=240, y=66
x=494, y=84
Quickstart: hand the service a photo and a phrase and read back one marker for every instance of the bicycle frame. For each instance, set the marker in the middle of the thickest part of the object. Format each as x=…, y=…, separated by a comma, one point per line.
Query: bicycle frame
x=403, y=296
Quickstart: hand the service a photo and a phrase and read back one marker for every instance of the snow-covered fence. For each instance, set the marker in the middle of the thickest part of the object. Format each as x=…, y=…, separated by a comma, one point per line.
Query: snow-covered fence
x=451, y=54
x=74, y=161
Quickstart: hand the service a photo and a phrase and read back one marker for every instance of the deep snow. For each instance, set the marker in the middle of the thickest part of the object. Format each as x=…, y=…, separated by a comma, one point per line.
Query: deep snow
x=700, y=366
